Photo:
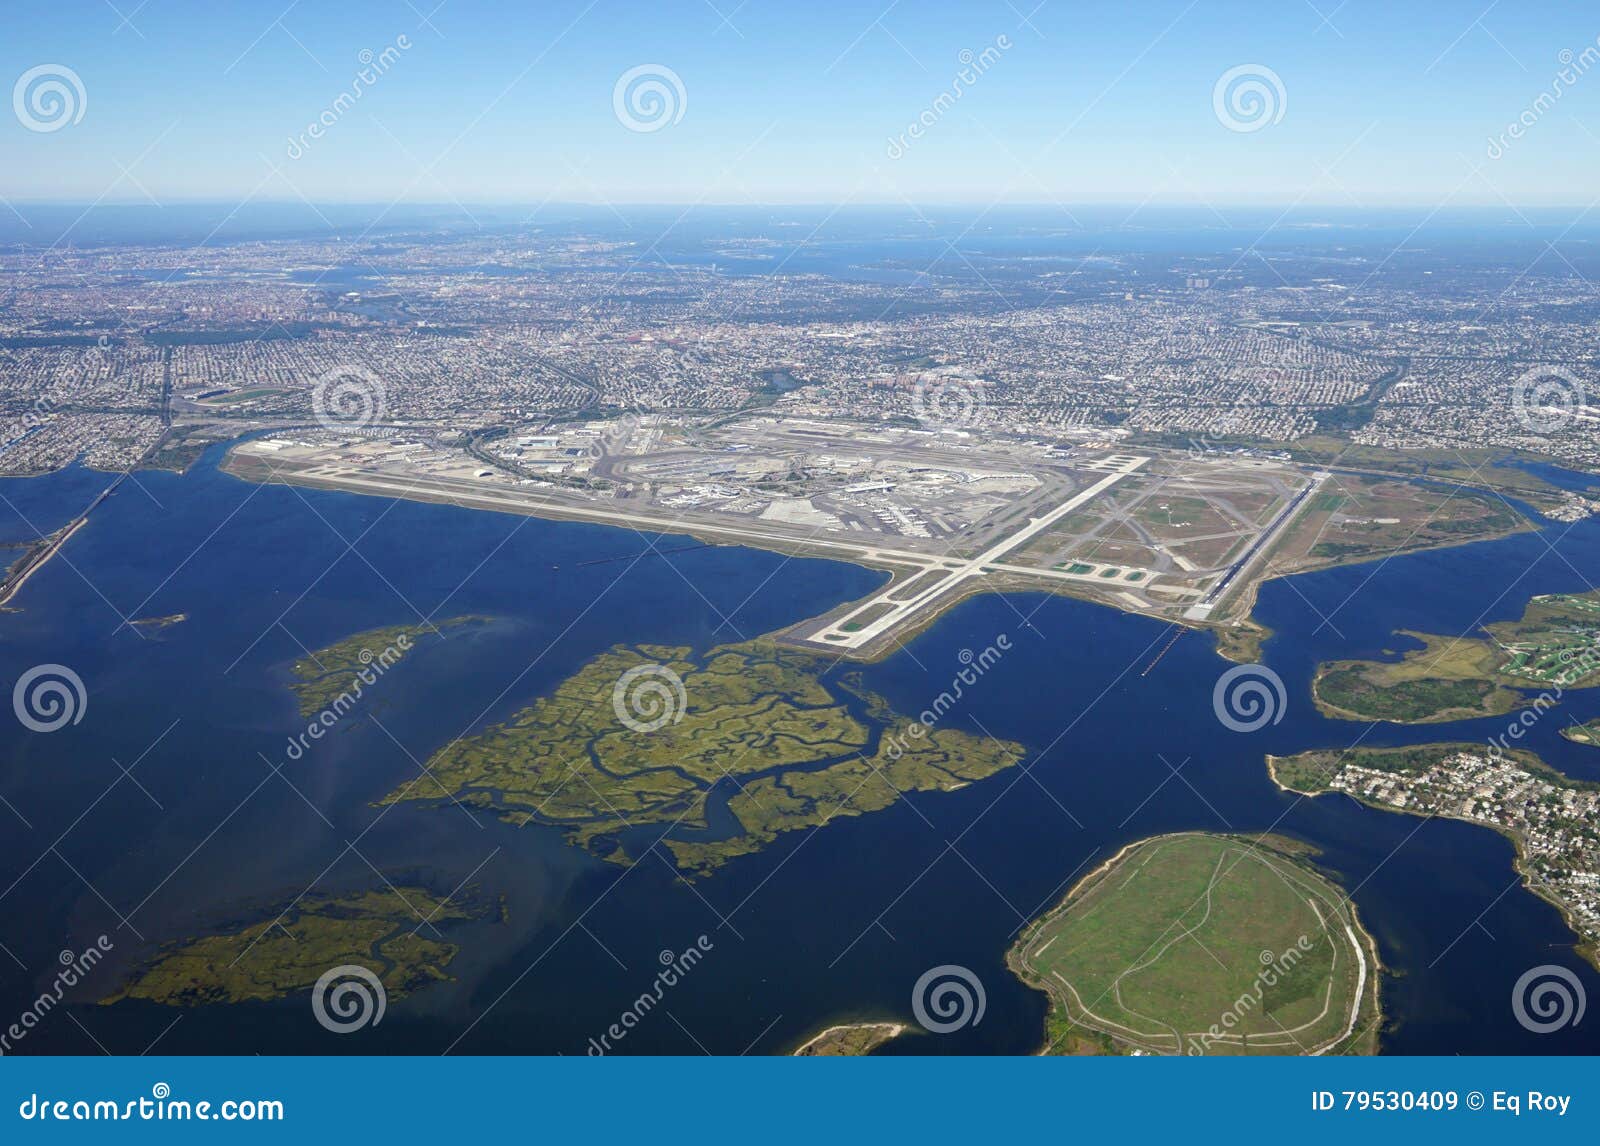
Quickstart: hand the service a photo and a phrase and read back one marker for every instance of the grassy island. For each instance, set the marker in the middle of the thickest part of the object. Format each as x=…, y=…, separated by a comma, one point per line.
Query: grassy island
x=850, y=1040
x=1202, y=944
x=335, y=676
x=1552, y=819
x=755, y=717
x=289, y=947
x=1555, y=645
x=1584, y=733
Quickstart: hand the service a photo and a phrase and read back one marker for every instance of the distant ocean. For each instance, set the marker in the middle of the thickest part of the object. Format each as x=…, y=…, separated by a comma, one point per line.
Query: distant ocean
x=822, y=239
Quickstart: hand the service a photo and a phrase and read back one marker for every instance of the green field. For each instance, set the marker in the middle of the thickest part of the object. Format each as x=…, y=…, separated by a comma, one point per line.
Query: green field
x=1584, y=733
x=286, y=948
x=1204, y=944
x=1555, y=644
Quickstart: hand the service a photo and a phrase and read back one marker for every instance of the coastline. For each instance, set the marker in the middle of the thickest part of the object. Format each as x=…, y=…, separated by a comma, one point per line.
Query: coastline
x=1238, y=637
x=1445, y=716
x=1235, y=641
x=873, y=1035
x=37, y=557
x=1588, y=949
x=1367, y=994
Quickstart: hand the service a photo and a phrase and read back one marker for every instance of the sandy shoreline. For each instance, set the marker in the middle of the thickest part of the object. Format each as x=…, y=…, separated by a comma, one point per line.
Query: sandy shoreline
x=879, y=1032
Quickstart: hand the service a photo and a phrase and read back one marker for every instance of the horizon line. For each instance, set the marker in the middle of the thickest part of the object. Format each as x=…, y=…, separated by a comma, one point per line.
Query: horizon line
x=1132, y=201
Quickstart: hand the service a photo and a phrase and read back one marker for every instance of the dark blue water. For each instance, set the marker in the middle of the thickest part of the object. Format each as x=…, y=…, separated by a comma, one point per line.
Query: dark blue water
x=819, y=927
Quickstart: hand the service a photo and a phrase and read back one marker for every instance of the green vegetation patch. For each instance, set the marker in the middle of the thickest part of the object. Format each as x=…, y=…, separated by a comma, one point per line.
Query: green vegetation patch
x=1404, y=701
x=1584, y=733
x=754, y=716
x=334, y=677
x=1555, y=645
x=1204, y=944
x=292, y=946
x=1310, y=772
x=850, y=1040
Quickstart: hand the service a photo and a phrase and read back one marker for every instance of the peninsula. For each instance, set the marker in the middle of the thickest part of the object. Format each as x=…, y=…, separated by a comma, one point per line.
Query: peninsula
x=1553, y=647
x=1553, y=820
x=1183, y=536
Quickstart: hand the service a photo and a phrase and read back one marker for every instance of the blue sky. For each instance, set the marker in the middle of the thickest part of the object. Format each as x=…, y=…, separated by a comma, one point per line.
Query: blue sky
x=1383, y=102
